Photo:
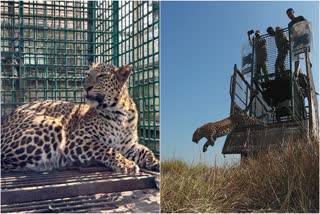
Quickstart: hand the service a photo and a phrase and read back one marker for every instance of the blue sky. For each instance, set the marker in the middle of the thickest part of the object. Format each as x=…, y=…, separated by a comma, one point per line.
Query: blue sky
x=200, y=43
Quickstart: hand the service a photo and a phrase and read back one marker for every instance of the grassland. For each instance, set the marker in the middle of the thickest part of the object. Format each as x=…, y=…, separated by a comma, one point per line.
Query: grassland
x=282, y=179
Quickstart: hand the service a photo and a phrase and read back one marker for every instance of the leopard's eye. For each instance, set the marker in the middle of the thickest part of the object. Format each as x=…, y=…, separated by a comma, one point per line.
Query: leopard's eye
x=102, y=75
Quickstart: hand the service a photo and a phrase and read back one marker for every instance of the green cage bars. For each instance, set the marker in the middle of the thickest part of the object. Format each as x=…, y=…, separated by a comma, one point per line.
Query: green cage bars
x=47, y=45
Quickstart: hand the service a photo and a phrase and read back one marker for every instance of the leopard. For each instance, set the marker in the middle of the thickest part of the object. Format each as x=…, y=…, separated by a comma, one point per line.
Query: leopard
x=239, y=119
x=52, y=134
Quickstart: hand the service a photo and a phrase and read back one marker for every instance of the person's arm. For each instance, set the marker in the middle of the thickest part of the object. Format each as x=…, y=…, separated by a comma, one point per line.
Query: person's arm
x=302, y=18
x=250, y=40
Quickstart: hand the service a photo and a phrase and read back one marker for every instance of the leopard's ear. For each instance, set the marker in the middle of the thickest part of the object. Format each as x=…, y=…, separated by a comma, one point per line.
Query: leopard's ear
x=123, y=73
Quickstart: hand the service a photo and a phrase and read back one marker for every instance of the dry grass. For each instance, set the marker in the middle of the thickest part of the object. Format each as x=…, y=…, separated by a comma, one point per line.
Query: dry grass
x=284, y=179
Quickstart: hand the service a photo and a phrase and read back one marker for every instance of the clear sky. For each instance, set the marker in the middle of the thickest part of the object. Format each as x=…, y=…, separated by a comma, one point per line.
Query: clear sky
x=200, y=43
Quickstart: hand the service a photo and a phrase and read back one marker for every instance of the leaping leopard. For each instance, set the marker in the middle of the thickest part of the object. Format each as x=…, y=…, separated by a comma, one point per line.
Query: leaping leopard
x=212, y=131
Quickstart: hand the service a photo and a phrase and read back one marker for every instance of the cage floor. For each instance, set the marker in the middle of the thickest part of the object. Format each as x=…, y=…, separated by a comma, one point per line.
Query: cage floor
x=78, y=191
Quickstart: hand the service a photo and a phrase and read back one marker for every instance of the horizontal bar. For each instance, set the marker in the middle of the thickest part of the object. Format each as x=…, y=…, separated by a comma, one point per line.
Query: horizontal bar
x=12, y=182
x=56, y=18
x=76, y=189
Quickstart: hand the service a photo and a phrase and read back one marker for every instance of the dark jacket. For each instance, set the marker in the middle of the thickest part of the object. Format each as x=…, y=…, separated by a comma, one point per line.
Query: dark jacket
x=296, y=20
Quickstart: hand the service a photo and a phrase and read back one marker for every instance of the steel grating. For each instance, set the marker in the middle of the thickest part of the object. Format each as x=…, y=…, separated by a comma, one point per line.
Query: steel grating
x=69, y=190
x=146, y=200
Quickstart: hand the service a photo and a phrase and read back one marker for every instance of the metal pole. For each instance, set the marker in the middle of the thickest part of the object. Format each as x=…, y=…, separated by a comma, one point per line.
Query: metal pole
x=290, y=50
x=233, y=88
x=91, y=32
x=21, y=86
x=115, y=32
x=11, y=26
x=312, y=99
x=253, y=71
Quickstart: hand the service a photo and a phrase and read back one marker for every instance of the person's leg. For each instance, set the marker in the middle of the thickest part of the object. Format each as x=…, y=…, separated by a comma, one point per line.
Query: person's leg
x=277, y=67
x=265, y=71
x=297, y=68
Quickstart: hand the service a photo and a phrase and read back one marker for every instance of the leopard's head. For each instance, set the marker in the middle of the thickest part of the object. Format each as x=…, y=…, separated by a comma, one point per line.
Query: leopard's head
x=105, y=84
x=196, y=137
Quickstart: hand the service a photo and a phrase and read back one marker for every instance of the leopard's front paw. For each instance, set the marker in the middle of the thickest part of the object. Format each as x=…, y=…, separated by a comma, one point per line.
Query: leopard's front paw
x=205, y=147
x=129, y=167
x=133, y=169
x=153, y=165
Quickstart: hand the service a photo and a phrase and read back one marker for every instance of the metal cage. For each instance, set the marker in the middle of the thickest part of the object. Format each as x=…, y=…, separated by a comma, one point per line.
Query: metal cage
x=47, y=45
x=283, y=89
x=286, y=101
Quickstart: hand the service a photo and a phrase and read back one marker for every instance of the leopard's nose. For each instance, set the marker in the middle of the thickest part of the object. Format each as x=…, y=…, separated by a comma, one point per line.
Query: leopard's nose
x=88, y=88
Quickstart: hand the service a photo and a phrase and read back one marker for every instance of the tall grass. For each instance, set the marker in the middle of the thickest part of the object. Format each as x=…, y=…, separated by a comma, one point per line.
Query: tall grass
x=283, y=179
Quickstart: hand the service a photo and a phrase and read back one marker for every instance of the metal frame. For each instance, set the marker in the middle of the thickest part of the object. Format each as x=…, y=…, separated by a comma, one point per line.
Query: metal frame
x=249, y=141
x=243, y=85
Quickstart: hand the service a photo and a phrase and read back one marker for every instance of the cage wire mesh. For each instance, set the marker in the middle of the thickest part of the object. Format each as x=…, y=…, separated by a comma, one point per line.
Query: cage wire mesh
x=272, y=53
x=260, y=107
x=47, y=45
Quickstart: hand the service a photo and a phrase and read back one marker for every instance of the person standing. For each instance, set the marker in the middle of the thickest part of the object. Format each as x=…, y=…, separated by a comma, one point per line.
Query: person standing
x=294, y=19
x=260, y=46
x=301, y=39
x=283, y=46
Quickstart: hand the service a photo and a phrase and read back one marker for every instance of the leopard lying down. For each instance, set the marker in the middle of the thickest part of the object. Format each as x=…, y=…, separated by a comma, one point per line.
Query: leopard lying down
x=47, y=135
x=211, y=131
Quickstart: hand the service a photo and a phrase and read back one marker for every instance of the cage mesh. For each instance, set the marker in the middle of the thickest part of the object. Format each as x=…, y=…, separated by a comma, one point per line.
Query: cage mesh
x=47, y=45
x=272, y=53
x=241, y=89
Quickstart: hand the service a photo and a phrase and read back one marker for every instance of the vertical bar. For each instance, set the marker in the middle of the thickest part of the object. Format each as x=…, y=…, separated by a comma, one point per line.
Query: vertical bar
x=293, y=97
x=115, y=32
x=12, y=26
x=14, y=83
x=156, y=21
x=73, y=52
x=291, y=77
x=312, y=99
x=45, y=49
x=252, y=77
x=91, y=31
x=65, y=59
x=21, y=88
x=290, y=52
x=233, y=89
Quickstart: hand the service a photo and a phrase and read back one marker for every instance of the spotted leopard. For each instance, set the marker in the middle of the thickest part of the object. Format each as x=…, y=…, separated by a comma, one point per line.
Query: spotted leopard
x=46, y=135
x=211, y=131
